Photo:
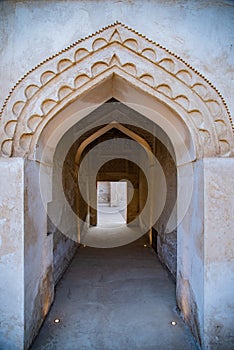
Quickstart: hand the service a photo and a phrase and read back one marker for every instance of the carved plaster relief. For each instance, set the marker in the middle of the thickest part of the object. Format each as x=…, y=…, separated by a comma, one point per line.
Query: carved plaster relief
x=116, y=49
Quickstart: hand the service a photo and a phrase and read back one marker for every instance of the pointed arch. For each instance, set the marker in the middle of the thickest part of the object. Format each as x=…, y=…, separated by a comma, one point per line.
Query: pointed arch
x=104, y=130
x=115, y=51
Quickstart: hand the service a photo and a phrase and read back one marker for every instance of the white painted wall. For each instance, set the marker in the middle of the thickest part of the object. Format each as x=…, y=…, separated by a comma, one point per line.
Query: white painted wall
x=200, y=31
x=205, y=282
x=118, y=194
x=219, y=253
x=103, y=192
x=38, y=255
x=190, y=253
x=11, y=254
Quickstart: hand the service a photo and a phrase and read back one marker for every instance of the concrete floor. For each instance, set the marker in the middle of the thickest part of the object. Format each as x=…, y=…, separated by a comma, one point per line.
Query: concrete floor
x=109, y=216
x=111, y=230
x=115, y=299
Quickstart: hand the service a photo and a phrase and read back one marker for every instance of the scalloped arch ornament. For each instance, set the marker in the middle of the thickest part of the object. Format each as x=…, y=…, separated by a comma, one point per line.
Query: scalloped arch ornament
x=50, y=86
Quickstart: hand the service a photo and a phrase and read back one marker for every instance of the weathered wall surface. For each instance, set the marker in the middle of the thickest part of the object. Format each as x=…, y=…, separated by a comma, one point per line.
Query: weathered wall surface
x=219, y=253
x=205, y=282
x=11, y=254
x=167, y=241
x=200, y=31
x=190, y=253
x=38, y=255
x=64, y=248
x=103, y=192
x=63, y=252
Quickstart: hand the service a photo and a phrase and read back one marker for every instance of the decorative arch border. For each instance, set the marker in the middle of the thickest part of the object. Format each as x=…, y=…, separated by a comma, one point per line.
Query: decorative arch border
x=60, y=79
x=105, y=129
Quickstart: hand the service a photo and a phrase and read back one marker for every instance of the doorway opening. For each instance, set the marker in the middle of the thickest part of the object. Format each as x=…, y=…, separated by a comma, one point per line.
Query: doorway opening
x=111, y=203
x=183, y=119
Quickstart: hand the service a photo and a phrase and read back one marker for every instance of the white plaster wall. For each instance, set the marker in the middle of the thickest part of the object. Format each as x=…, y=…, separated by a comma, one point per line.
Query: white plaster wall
x=219, y=253
x=11, y=253
x=190, y=253
x=62, y=220
x=38, y=255
x=118, y=194
x=200, y=31
x=205, y=255
x=103, y=192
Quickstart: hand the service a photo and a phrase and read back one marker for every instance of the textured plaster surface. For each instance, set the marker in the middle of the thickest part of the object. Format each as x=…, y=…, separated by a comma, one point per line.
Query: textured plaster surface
x=203, y=36
x=63, y=252
x=119, y=51
x=38, y=255
x=201, y=32
x=205, y=282
x=11, y=254
x=190, y=270
x=219, y=253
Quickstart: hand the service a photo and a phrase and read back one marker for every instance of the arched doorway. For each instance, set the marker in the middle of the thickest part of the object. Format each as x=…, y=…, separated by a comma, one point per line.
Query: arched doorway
x=57, y=95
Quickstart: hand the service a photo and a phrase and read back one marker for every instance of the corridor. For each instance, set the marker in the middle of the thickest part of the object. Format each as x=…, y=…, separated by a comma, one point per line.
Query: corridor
x=115, y=299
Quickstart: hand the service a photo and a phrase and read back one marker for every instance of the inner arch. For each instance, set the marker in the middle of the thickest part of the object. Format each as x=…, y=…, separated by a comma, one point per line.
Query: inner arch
x=171, y=124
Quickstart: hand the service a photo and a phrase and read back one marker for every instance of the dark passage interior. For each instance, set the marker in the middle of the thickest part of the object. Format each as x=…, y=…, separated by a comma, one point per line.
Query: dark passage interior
x=119, y=297
x=110, y=133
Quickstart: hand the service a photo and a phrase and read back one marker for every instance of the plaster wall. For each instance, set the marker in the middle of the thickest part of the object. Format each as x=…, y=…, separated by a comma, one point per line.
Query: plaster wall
x=104, y=192
x=167, y=241
x=190, y=253
x=143, y=194
x=11, y=253
x=63, y=247
x=205, y=282
x=63, y=252
x=118, y=193
x=47, y=252
x=38, y=255
x=63, y=184
x=219, y=253
x=200, y=31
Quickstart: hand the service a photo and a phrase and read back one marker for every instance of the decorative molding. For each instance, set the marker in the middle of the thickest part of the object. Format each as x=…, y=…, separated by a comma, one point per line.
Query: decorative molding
x=51, y=85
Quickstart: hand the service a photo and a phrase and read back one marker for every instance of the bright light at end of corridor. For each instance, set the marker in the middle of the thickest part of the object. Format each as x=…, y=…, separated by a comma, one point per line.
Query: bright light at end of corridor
x=173, y=323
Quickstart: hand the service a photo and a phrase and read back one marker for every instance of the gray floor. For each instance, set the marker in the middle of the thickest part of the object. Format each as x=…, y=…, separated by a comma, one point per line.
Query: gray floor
x=110, y=216
x=119, y=298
